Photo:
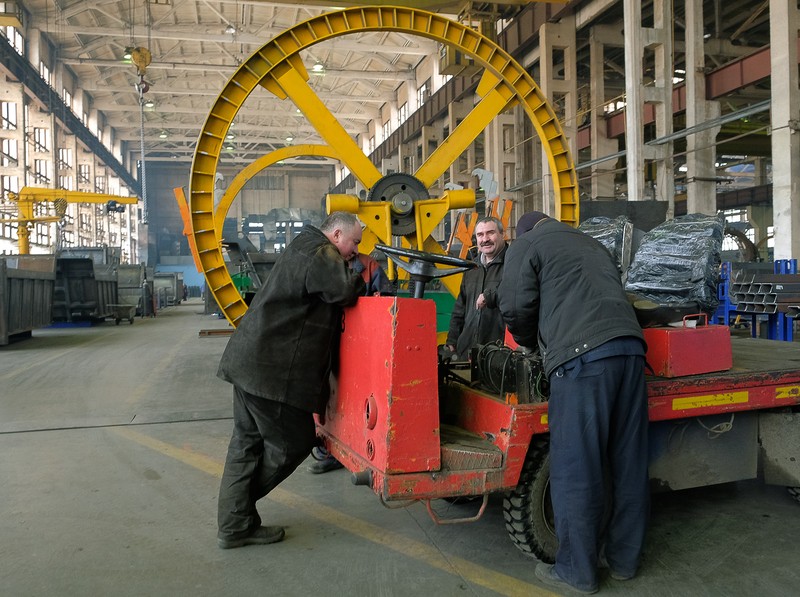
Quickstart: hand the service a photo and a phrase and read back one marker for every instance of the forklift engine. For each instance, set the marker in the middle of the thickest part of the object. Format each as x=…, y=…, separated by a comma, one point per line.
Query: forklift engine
x=502, y=370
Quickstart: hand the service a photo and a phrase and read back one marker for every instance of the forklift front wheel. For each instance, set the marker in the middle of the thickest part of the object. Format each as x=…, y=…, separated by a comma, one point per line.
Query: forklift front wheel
x=527, y=509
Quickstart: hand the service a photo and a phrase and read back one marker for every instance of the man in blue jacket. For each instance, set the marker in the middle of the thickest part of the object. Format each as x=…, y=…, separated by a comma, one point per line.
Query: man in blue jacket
x=278, y=361
x=561, y=292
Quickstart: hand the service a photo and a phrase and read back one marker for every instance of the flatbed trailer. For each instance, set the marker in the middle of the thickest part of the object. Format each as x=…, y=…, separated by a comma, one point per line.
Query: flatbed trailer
x=411, y=432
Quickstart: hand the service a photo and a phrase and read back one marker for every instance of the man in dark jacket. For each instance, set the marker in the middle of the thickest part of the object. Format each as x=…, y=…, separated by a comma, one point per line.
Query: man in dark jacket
x=561, y=291
x=278, y=361
x=475, y=318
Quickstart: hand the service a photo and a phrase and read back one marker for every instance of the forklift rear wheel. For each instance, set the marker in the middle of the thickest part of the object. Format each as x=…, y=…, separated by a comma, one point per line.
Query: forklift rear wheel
x=527, y=509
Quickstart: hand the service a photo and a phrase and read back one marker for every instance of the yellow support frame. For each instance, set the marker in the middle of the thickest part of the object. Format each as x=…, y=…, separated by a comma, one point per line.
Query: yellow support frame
x=29, y=196
x=277, y=67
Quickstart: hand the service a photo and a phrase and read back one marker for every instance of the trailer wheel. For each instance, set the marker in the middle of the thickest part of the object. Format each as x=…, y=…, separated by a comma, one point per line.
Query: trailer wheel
x=795, y=493
x=527, y=509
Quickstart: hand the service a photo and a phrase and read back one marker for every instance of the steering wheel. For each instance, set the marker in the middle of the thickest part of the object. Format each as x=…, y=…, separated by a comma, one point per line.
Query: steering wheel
x=421, y=266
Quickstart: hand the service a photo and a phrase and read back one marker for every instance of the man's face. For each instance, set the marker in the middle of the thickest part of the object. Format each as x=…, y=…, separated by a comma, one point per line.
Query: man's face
x=347, y=241
x=490, y=241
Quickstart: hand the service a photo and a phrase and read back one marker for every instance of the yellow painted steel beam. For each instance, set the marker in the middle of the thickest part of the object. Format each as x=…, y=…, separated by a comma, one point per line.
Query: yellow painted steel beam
x=186, y=218
x=277, y=66
x=294, y=82
x=497, y=97
x=28, y=196
x=42, y=194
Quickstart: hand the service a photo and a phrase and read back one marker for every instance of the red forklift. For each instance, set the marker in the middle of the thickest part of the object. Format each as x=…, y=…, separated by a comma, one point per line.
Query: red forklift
x=416, y=428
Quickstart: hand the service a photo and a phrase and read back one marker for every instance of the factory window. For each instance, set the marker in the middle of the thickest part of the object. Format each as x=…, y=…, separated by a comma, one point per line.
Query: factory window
x=423, y=93
x=67, y=97
x=64, y=159
x=99, y=184
x=8, y=113
x=41, y=171
x=44, y=72
x=509, y=176
x=85, y=119
x=15, y=39
x=40, y=234
x=83, y=173
x=508, y=137
x=266, y=182
x=8, y=153
x=371, y=146
x=387, y=129
x=68, y=238
x=65, y=182
x=41, y=139
x=8, y=184
x=402, y=113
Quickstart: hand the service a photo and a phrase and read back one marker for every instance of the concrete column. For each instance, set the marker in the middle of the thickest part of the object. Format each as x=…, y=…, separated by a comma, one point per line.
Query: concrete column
x=555, y=86
x=701, y=154
x=784, y=22
x=760, y=218
x=659, y=39
x=603, y=186
x=634, y=108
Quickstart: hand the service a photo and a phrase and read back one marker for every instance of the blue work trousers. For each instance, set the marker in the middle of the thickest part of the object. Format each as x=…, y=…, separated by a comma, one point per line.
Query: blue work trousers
x=598, y=422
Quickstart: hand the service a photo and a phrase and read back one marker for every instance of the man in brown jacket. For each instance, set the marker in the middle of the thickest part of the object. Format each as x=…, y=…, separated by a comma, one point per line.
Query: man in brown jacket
x=278, y=361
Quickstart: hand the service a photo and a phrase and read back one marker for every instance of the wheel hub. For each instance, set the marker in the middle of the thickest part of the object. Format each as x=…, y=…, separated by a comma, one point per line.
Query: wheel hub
x=401, y=191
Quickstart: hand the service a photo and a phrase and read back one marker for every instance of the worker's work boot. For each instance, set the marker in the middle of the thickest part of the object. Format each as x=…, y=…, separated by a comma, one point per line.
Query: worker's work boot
x=261, y=536
x=548, y=575
x=602, y=563
x=324, y=462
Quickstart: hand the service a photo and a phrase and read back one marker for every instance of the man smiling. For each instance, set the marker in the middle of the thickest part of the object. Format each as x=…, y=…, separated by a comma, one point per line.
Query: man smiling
x=475, y=318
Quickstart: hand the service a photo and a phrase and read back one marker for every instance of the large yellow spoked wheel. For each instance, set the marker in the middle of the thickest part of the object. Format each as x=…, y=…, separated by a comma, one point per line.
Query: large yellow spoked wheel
x=278, y=67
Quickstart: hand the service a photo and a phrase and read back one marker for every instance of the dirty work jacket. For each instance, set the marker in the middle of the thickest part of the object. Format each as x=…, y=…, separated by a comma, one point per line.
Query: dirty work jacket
x=470, y=326
x=281, y=349
x=561, y=290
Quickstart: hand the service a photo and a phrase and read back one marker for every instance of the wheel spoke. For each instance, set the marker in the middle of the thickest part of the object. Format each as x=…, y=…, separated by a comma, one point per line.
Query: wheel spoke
x=496, y=97
x=294, y=85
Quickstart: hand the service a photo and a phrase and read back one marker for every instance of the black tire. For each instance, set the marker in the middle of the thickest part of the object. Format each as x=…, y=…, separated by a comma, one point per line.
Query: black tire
x=527, y=509
x=795, y=493
x=117, y=320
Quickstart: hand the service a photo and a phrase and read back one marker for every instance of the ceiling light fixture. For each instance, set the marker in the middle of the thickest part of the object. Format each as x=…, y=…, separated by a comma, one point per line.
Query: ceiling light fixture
x=318, y=68
x=289, y=139
x=149, y=103
x=230, y=136
x=128, y=53
x=230, y=29
x=163, y=135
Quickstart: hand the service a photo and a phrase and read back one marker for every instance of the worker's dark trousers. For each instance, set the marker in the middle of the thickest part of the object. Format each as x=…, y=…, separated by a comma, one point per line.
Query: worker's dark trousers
x=598, y=421
x=270, y=439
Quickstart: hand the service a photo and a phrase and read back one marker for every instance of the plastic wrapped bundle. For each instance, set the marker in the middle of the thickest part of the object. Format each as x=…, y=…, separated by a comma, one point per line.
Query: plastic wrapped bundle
x=614, y=234
x=677, y=263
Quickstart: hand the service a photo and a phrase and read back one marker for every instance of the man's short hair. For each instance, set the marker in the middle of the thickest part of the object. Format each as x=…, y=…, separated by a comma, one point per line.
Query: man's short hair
x=485, y=219
x=341, y=220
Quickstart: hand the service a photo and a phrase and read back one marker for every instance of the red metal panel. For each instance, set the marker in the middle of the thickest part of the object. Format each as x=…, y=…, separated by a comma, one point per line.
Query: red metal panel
x=677, y=352
x=385, y=406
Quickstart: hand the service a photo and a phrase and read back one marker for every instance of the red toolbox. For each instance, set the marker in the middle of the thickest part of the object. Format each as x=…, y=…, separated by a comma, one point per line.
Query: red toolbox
x=679, y=351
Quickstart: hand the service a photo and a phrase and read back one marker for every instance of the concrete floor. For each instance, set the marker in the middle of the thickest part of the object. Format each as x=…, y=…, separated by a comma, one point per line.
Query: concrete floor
x=112, y=441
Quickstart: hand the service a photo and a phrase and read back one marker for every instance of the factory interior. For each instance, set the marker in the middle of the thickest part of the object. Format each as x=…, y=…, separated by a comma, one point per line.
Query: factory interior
x=157, y=158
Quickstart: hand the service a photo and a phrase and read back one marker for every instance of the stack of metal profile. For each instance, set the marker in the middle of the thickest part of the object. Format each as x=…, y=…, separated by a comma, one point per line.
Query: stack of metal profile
x=767, y=293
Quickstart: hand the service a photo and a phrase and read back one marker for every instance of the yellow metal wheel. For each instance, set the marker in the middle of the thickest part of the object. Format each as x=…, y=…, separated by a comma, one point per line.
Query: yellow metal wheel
x=260, y=164
x=278, y=67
